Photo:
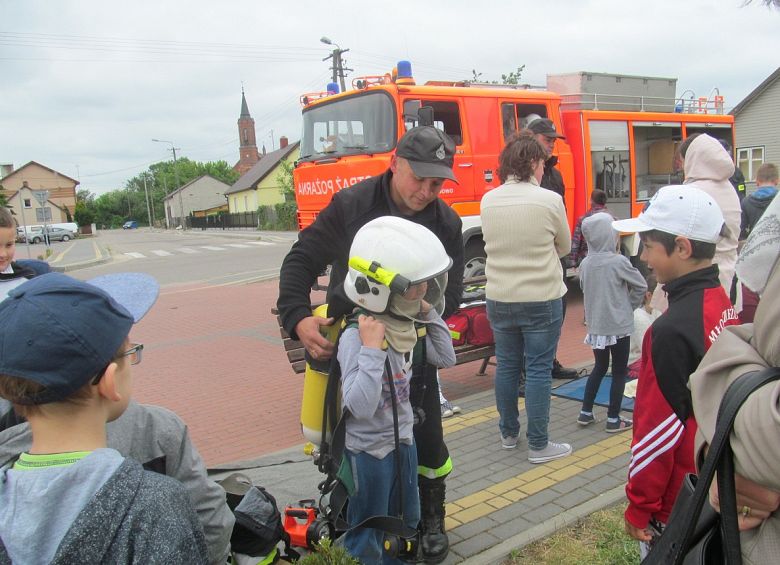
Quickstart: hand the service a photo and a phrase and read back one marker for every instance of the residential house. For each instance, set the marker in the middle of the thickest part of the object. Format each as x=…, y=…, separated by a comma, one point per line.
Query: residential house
x=201, y=196
x=21, y=185
x=259, y=186
x=757, y=125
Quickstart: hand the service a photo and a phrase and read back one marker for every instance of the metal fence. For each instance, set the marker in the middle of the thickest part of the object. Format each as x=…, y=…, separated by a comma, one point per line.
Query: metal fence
x=240, y=220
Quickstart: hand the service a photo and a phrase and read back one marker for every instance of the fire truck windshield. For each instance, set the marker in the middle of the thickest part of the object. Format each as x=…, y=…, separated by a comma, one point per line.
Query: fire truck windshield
x=361, y=125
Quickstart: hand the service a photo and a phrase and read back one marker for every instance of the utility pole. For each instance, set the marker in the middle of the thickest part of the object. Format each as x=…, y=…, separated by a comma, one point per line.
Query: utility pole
x=272, y=139
x=178, y=184
x=148, y=210
x=339, y=71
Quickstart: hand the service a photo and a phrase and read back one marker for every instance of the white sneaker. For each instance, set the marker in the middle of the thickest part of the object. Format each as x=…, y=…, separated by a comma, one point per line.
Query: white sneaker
x=508, y=442
x=549, y=453
x=448, y=409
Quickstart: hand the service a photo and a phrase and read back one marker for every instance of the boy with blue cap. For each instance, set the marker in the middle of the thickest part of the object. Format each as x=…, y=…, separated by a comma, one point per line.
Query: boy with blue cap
x=65, y=363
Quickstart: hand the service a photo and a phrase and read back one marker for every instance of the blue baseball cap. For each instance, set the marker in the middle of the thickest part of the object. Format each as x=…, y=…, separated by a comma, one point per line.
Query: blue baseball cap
x=61, y=332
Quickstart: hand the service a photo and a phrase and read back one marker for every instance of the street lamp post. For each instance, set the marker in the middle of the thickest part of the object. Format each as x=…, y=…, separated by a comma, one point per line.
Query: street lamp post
x=176, y=175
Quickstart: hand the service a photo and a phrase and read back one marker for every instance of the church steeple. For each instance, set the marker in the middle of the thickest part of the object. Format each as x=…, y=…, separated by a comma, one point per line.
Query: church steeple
x=244, y=107
x=247, y=150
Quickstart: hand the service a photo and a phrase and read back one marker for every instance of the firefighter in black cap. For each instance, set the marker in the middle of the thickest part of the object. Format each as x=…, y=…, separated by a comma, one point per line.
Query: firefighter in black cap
x=408, y=189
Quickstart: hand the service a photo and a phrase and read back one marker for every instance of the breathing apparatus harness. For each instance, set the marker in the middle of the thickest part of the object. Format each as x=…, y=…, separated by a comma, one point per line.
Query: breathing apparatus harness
x=394, y=246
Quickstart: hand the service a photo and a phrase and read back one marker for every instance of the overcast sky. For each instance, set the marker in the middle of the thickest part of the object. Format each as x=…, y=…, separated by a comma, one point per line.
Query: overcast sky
x=86, y=84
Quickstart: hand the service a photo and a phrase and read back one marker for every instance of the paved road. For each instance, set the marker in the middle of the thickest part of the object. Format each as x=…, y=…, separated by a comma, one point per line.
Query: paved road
x=180, y=258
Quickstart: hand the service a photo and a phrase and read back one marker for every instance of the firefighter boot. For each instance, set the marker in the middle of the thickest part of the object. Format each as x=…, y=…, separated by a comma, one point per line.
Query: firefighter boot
x=434, y=541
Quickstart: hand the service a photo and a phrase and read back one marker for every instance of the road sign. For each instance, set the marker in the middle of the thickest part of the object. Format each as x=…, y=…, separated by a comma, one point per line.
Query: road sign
x=41, y=196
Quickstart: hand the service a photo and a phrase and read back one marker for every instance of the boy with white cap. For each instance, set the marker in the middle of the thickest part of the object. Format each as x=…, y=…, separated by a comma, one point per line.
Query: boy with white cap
x=65, y=363
x=679, y=230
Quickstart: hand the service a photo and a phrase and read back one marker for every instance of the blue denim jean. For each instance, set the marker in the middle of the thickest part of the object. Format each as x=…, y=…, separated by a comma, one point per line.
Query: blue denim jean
x=530, y=330
x=376, y=494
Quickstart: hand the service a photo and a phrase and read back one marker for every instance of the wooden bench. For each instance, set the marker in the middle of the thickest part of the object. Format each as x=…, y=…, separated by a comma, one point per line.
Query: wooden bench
x=463, y=353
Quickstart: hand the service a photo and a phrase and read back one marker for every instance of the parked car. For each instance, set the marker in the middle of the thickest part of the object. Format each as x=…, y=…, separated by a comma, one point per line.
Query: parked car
x=130, y=225
x=55, y=234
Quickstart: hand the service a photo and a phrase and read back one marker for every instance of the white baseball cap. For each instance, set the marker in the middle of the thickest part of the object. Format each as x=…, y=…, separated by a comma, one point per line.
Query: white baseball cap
x=682, y=210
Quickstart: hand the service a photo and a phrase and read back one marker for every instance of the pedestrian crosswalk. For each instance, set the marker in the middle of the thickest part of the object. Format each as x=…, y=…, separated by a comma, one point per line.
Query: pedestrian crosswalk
x=192, y=250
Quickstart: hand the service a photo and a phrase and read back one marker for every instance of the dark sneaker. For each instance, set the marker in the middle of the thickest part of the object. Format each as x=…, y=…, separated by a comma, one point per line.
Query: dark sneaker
x=619, y=426
x=561, y=372
x=551, y=452
x=585, y=419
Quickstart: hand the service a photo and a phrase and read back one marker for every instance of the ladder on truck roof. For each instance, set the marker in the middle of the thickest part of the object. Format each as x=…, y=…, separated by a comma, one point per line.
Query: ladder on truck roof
x=635, y=103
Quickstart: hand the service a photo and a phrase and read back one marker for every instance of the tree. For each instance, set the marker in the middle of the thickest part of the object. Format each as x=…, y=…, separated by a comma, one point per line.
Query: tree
x=512, y=78
x=285, y=179
x=767, y=3
x=3, y=197
x=83, y=214
x=113, y=208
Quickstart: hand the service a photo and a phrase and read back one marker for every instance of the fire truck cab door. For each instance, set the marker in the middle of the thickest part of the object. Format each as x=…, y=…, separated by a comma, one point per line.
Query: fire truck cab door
x=447, y=117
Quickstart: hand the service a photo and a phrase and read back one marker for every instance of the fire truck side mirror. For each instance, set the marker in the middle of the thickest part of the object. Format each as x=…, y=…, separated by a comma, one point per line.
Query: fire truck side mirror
x=425, y=116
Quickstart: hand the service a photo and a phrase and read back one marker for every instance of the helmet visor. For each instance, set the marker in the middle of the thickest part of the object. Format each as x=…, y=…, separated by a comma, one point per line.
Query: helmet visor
x=431, y=291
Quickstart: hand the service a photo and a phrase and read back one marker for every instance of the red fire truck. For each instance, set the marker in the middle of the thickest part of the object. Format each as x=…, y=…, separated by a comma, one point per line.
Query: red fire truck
x=620, y=139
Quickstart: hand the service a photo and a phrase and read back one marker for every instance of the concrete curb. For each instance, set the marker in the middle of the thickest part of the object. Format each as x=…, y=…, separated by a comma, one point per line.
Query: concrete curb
x=499, y=553
x=105, y=257
x=81, y=265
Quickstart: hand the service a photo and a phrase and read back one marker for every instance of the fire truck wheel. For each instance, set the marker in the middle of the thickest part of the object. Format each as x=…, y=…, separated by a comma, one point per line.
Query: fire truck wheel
x=474, y=259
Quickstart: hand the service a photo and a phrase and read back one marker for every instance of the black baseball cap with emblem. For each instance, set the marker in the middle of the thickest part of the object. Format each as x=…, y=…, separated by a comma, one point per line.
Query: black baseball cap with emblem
x=545, y=127
x=429, y=151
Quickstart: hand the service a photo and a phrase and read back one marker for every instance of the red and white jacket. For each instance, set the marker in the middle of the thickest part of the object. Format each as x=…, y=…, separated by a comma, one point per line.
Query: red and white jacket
x=664, y=426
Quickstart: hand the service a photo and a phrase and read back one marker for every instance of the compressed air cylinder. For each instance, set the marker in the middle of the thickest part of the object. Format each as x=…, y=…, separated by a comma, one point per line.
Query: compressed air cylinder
x=314, y=384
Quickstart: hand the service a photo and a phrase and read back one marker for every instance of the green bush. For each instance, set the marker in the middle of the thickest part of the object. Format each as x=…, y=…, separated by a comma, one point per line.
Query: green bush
x=286, y=216
x=264, y=217
x=328, y=554
x=84, y=216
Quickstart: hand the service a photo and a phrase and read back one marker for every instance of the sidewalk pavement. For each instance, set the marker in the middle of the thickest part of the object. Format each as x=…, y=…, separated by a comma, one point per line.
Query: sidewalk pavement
x=496, y=500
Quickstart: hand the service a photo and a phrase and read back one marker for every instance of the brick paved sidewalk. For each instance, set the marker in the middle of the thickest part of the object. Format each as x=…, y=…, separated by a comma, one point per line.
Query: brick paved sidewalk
x=496, y=500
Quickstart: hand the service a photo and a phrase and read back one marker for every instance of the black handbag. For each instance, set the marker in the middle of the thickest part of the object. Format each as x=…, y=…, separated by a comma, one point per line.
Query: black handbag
x=695, y=534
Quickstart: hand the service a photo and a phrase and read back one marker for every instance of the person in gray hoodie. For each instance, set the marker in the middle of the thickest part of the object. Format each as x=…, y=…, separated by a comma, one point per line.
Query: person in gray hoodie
x=612, y=289
x=159, y=440
x=65, y=360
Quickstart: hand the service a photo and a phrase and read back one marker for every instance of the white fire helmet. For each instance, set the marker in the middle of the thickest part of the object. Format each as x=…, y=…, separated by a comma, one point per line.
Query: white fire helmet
x=390, y=256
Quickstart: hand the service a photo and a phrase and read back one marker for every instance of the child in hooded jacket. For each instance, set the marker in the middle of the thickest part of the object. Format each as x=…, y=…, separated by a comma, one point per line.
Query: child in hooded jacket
x=612, y=288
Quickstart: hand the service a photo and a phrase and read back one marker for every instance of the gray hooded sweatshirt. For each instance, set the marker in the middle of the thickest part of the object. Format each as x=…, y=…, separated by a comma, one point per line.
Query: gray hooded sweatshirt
x=101, y=509
x=612, y=287
x=159, y=440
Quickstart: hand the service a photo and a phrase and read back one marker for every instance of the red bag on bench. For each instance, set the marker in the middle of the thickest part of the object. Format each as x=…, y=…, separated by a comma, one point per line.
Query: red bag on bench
x=470, y=325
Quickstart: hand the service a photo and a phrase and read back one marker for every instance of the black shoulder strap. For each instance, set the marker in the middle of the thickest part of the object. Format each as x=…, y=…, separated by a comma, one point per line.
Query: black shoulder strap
x=673, y=548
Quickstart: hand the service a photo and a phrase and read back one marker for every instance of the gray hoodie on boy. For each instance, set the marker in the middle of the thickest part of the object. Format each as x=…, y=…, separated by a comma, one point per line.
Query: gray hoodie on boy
x=101, y=509
x=612, y=287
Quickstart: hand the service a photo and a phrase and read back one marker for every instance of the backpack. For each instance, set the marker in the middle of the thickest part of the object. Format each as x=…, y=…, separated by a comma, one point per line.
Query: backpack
x=470, y=325
x=258, y=528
